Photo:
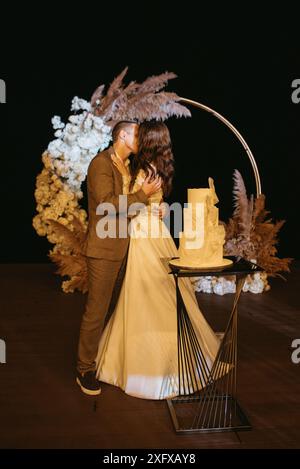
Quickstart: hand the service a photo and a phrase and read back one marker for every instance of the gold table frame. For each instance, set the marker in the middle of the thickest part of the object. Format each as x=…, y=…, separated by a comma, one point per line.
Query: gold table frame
x=207, y=399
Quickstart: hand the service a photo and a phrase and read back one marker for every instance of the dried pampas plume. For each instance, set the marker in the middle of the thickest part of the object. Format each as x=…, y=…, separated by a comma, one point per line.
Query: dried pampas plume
x=139, y=101
x=68, y=255
x=250, y=235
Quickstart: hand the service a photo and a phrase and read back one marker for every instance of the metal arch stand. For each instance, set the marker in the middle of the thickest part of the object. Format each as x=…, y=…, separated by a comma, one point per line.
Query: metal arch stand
x=236, y=133
x=207, y=396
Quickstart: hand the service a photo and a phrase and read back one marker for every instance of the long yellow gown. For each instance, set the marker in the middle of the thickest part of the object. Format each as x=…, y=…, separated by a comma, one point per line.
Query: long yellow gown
x=138, y=348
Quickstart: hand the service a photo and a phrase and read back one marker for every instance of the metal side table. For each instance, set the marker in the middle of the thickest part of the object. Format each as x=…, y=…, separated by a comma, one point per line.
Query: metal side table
x=207, y=398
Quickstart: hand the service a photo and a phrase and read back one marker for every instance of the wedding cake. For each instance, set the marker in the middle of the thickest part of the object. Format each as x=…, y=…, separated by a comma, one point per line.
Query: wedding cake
x=201, y=242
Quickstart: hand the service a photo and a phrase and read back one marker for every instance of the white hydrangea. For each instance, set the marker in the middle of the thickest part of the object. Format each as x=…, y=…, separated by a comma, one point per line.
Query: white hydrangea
x=77, y=142
x=223, y=286
x=57, y=123
x=80, y=104
x=255, y=283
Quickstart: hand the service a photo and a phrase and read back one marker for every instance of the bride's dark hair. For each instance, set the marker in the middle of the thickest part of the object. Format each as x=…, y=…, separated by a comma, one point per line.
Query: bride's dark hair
x=154, y=147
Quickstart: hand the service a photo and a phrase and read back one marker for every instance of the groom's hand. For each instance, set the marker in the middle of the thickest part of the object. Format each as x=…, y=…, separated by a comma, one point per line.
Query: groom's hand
x=150, y=188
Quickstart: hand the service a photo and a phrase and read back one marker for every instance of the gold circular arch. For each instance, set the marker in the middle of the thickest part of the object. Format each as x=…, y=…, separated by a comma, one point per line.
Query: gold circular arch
x=237, y=134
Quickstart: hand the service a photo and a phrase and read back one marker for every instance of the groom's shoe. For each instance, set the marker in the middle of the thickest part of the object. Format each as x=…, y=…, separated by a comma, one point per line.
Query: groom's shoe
x=88, y=383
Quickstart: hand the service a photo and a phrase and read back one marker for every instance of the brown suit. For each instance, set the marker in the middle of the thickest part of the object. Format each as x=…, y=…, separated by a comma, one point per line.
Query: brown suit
x=106, y=257
x=105, y=184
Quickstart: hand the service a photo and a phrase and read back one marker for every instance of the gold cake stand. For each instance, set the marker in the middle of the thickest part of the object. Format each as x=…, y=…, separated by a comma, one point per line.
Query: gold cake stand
x=207, y=397
x=182, y=265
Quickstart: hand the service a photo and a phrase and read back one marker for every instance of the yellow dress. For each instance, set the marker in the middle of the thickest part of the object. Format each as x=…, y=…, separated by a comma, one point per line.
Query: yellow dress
x=138, y=348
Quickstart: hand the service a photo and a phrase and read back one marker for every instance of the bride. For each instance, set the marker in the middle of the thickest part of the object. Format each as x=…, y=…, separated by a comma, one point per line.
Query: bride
x=138, y=348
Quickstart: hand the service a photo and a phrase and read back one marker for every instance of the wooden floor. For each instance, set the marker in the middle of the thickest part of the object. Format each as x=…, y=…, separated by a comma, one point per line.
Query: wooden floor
x=41, y=406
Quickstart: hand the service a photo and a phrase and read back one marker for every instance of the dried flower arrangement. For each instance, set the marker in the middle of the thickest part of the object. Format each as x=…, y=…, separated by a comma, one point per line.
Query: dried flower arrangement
x=249, y=234
x=58, y=186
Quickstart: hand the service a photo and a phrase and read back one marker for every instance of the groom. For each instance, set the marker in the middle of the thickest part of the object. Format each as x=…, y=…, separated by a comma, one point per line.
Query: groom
x=106, y=257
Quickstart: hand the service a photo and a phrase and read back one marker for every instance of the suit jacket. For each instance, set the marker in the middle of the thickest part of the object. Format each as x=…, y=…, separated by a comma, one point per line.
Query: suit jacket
x=105, y=184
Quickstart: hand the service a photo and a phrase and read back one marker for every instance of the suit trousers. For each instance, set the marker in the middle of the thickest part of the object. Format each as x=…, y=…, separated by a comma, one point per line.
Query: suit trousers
x=105, y=278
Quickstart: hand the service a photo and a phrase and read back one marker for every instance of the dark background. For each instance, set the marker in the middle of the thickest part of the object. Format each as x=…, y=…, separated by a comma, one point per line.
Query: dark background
x=248, y=83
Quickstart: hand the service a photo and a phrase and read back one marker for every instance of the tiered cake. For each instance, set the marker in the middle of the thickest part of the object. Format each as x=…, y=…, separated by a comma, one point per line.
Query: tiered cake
x=201, y=242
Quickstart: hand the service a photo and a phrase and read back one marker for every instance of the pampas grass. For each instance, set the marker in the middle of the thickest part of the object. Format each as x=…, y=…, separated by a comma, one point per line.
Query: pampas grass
x=138, y=101
x=250, y=234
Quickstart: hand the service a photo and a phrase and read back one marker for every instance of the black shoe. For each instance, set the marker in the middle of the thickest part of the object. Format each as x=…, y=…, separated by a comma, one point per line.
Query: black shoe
x=89, y=383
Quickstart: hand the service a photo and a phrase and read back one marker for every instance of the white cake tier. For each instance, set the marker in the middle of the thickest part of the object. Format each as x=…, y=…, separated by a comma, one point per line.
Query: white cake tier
x=203, y=250
x=201, y=242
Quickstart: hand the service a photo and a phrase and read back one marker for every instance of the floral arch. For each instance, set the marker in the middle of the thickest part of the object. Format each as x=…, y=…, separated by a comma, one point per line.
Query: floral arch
x=58, y=187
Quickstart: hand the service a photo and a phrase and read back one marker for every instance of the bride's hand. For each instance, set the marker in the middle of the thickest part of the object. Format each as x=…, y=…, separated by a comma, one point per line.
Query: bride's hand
x=120, y=166
x=162, y=210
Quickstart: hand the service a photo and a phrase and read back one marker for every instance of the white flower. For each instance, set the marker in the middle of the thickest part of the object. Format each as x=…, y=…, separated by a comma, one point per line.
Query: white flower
x=257, y=286
x=57, y=123
x=77, y=119
x=205, y=285
x=100, y=125
x=70, y=138
x=255, y=283
x=86, y=141
x=230, y=286
x=77, y=143
x=88, y=122
x=55, y=148
x=73, y=153
x=219, y=288
x=58, y=133
x=80, y=104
